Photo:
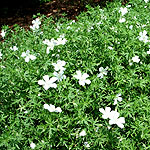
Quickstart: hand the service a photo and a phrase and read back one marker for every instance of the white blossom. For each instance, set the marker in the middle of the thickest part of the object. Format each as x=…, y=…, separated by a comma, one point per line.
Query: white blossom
x=131, y=27
x=59, y=66
x=143, y=37
x=50, y=44
x=146, y=1
x=14, y=48
x=114, y=119
x=59, y=75
x=102, y=72
x=123, y=11
x=128, y=6
x=121, y=20
x=28, y=56
x=82, y=78
x=61, y=41
x=113, y=116
x=117, y=98
x=109, y=47
x=135, y=59
x=3, y=32
x=106, y=112
x=47, y=83
x=51, y=108
x=58, y=109
x=1, y=55
x=148, y=52
x=36, y=24
x=26, y=112
x=86, y=144
x=32, y=145
x=82, y=133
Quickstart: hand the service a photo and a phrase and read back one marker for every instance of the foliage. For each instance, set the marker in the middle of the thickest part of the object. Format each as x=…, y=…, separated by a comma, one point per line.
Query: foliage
x=96, y=40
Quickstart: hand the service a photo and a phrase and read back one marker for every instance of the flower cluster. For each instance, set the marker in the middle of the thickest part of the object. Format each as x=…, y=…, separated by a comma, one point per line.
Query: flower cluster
x=113, y=116
x=51, y=108
x=51, y=43
x=123, y=12
x=59, y=66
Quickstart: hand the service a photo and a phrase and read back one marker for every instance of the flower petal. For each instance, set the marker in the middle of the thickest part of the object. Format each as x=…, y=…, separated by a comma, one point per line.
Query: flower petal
x=23, y=54
x=85, y=75
x=32, y=57
x=87, y=81
x=46, y=78
x=53, y=79
x=27, y=59
x=41, y=82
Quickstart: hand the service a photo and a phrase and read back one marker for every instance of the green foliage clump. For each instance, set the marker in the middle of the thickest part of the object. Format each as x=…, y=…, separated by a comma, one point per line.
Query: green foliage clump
x=96, y=40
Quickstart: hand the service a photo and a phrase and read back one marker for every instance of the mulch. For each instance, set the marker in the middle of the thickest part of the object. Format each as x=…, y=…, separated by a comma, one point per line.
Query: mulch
x=22, y=13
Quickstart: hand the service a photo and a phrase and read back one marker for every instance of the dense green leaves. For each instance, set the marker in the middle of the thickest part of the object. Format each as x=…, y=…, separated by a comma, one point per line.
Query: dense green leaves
x=96, y=40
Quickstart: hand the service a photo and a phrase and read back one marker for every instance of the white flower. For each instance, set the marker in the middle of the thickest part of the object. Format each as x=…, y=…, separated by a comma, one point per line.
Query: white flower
x=46, y=106
x=148, y=52
x=61, y=41
x=128, y=6
x=59, y=75
x=143, y=37
x=3, y=33
x=121, y=20
x=59, y=65
x=26, y=112
x=131, y=27
x=115, y=120
x=146, y=1
x=123, y=10
x=143, y=25
x=28, y=56
x=58, y=109
x=102, y=72
x=14, y=48
x=32, y=145
x=82, y=78
x=50, y=44
x=117, y=98
x=106, y=112
x=51, y=108
x=82, y=133
x=135, y=59
x=109, y=47
x=36, y=24
x=48, y=82
x=86, y=144
x=1, y=55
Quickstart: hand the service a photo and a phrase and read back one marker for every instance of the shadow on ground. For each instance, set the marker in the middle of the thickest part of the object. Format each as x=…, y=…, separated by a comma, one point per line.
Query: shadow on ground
x=21, y=12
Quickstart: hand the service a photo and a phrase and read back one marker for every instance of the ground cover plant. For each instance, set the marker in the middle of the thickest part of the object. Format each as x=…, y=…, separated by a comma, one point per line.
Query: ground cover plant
x=78, y=84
